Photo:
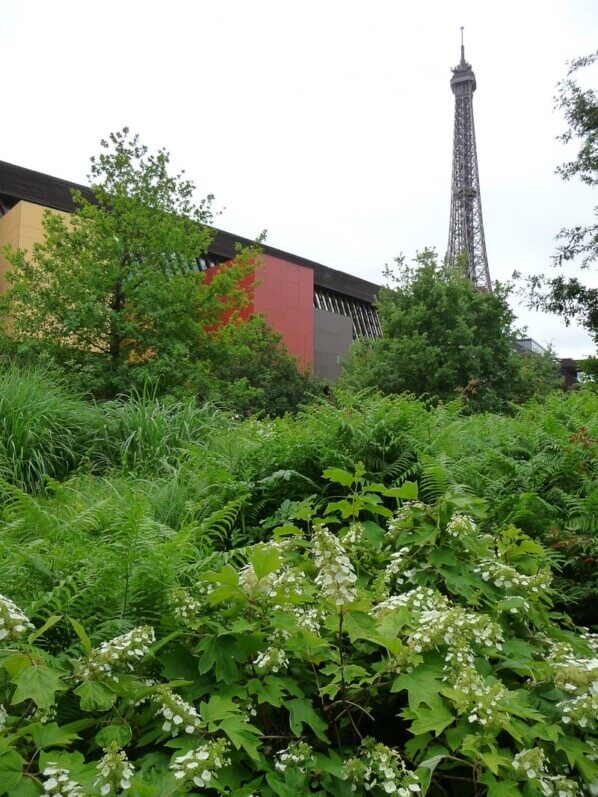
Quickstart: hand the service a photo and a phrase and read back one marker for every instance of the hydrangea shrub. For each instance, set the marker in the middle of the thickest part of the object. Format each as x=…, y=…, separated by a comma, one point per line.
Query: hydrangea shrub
x=360, y=650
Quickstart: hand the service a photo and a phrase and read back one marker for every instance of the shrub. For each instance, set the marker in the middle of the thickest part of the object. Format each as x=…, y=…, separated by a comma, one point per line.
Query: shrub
x=414, y=655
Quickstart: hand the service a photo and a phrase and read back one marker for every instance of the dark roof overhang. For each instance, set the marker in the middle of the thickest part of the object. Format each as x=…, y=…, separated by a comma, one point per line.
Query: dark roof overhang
x=17, y=183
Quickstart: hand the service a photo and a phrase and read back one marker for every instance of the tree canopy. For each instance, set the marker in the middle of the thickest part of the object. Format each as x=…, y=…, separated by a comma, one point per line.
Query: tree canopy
x=567, y=296
x=442, y=337
x=113, y=292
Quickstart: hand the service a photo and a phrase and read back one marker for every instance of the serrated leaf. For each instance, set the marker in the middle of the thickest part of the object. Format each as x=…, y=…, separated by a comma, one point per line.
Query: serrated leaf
x=423, y=685
x=339, y=476
x=11, y=768
x=51, y=735
x=408, y=491
x=94, y=696
x=301, y=712
x=431, y=719
x=27, y=787
x=243, y=735
x=39, y=683
x=121, y=734
x=265, y=560
x=218, y=708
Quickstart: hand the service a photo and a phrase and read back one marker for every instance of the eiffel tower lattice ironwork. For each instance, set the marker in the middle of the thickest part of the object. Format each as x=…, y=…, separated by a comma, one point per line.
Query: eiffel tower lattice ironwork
x=466, y=229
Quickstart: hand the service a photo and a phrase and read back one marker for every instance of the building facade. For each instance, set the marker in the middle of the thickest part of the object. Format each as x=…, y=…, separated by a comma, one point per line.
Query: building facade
x=317, y=310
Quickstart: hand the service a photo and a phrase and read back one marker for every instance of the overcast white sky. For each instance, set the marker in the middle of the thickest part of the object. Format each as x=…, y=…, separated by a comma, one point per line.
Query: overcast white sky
x=327, y=122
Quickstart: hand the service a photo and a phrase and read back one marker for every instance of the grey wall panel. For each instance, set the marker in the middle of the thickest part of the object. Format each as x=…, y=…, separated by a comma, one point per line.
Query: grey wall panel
x=333, y=334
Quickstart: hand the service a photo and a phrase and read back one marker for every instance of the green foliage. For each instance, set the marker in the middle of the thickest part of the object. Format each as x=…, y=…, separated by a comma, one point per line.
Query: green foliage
x=251, y=371
x=442, y=337
x=45, y=431
x=569, y=297
x=112, y=293
x=420, y=656
x=180, y=466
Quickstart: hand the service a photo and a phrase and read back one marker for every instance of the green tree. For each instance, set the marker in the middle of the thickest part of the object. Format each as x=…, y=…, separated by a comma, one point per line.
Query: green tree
x=112, y=293
x=441, y=337
x=251, y=370
x=566, y=296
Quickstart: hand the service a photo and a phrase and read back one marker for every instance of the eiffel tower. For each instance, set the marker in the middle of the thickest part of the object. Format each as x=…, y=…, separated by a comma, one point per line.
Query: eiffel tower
x=466, y=228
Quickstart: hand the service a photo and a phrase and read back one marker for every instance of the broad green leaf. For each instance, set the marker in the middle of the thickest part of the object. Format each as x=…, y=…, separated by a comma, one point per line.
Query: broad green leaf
x=339, y=476
x=407, y=491
x=301, y=711
x=218, y=708
x=121, y=734
x=265, y=560
x=27, y=787
x=423, y=685
x=220, y=655
x=51, y=735
x=39, y=683
x=227, y=575
x=11, y=768
x=243, y=735
x=434, y=719
x=94, y=696
x=279, y=787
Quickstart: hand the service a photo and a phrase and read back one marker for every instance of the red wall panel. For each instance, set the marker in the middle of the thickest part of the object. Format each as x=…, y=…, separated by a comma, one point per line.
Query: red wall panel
x=284, y=296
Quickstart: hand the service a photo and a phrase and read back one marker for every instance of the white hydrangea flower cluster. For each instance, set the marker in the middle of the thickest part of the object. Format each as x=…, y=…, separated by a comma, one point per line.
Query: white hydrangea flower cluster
x=309, y=618
x=560, y=786
x=419, y=599
x=297, y=756
x=272, y=659
x=481, y=698
x=13, y=622
x=456, y=627
x=581, y=711
x=461, y=525
x=381, y=766
x=507, y=577
x=590, y=639
x=115, y=771
x=572, y=673
x=58, y=781
x=286, y=585
x=513, y=604
x=335, y=577
x=396, y=573
x=530, y=763
x=185, y=606
x=199, y=766
x=124, y=649
x=354, y=535
x=178, y=714
x=402, y=514
x=3, y=717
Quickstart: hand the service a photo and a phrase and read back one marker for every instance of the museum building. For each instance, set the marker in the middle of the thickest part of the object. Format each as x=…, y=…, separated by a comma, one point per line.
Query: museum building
x=317, y=310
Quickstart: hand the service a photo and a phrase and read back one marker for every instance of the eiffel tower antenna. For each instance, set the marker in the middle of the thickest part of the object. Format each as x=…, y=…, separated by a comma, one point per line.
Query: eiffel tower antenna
x=466, y=241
